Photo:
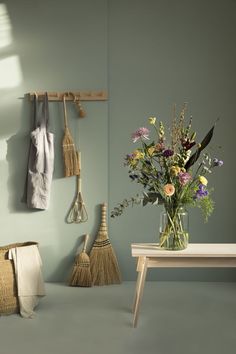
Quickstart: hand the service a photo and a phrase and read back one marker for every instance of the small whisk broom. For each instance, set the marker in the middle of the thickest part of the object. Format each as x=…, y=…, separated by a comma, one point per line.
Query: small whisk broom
x=81, y=274
x=71, y=166
x=104, y=265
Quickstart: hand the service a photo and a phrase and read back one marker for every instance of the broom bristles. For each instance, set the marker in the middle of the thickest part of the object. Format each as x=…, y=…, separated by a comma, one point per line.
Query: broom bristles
x=81, y=274
x=104, y=264
x=70, y=157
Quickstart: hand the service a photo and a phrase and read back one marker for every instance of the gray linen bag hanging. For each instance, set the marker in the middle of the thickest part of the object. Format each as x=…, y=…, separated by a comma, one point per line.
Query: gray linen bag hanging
x=41, y=158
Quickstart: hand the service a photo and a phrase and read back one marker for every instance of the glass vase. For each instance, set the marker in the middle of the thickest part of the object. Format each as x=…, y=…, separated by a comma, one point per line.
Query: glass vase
x=174, y=225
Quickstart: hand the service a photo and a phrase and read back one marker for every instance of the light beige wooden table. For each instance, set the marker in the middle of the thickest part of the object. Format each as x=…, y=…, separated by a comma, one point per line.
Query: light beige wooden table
x=195, y=255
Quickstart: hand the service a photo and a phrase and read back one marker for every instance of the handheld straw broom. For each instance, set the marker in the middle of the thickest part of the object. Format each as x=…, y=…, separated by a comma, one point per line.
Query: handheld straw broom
x=81, y=274
x=71, y=166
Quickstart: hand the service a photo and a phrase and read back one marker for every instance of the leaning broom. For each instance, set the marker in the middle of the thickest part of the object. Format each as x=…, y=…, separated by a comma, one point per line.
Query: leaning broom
x=103, y=261
x=81, y=273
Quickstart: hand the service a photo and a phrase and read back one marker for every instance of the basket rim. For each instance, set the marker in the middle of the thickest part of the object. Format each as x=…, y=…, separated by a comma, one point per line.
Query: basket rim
x=18, y=244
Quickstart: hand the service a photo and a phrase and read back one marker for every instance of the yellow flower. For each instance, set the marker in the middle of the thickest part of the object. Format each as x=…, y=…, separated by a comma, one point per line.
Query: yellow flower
x=152, y=120
x=138, y=155
x=175, y=170
x=203, y=180
x=151, y=150
x=169, y=189
x=133, y=163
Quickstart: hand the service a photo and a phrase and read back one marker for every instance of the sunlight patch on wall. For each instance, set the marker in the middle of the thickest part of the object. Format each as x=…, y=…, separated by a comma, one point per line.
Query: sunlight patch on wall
x=5, y=27
x=3, y=150
x=10, y=72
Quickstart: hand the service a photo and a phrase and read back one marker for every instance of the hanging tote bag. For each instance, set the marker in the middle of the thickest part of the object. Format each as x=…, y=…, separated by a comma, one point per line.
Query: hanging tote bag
x=41, y=158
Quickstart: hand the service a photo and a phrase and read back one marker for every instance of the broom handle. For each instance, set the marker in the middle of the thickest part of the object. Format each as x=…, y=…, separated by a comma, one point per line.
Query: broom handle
x=85, y=242
x=103, y=226
x=79, y=178
x=64, y=108
x=79, y=184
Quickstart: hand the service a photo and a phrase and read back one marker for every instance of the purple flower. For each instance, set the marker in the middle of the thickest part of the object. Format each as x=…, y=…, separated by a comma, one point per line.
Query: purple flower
x=216, y=162
x=201, y=192
x=128, y=159
x=140, y=133
x=184, y=178
x=168, y=153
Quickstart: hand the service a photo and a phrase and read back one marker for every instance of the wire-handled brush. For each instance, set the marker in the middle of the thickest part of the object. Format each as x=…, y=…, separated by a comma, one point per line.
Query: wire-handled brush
x=78, y=212
x=81, y=274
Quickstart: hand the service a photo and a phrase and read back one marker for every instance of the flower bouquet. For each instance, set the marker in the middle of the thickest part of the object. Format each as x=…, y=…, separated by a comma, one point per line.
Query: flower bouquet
x=172, y=175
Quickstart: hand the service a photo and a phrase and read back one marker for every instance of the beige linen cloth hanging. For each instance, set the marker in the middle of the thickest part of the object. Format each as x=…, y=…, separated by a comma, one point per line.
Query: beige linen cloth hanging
x=41, y=159
x=29, y=280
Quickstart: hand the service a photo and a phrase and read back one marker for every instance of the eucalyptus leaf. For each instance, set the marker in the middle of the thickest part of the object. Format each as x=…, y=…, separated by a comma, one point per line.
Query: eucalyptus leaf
x=151, y=197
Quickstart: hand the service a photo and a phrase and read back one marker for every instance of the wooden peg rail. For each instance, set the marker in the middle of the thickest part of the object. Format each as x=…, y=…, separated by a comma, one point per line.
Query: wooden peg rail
x=80, y=95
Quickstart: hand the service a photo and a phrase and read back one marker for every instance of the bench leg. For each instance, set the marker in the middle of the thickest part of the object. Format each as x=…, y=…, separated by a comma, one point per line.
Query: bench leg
x=139, y=288
x=139, y=268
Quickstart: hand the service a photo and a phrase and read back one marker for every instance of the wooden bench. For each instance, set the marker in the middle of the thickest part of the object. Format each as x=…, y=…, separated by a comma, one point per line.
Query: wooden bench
x=195, y=255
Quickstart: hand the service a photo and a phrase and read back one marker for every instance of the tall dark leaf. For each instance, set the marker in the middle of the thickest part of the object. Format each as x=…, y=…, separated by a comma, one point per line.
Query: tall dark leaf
x=207, y=138
x=203, y=145
x=192, y=159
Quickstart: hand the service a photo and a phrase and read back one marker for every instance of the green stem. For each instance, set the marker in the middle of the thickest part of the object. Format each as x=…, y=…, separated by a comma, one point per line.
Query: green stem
x=173, y=235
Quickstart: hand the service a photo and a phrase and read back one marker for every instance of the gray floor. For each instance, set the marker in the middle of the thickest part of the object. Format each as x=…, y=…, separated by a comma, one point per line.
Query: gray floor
x=175, y=318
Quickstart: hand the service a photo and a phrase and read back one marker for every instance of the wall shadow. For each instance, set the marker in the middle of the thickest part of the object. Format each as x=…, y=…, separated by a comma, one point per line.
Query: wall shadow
x=65, y=266
x=17, y=158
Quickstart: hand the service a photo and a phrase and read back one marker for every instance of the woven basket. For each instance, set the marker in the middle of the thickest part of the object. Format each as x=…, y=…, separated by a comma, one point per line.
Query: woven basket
x=8, y=289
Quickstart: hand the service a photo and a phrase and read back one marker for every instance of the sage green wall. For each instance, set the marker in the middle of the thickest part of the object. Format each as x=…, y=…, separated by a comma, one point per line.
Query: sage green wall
x=164, y=52
x=61, y=46
x=149, y=54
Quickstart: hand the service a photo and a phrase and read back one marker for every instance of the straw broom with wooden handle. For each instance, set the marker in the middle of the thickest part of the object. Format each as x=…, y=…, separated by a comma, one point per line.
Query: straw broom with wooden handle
x=104, y=265
x=81, y=274
x=71, y=165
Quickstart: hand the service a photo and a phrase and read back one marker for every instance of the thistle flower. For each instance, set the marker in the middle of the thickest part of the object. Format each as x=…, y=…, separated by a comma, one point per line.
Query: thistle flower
x=169, y=189
x=184, y=178
x=141, y=133
x=168, y=153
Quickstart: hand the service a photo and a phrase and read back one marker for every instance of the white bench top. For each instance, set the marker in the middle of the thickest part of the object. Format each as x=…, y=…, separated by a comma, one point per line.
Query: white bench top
x=193, y=250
